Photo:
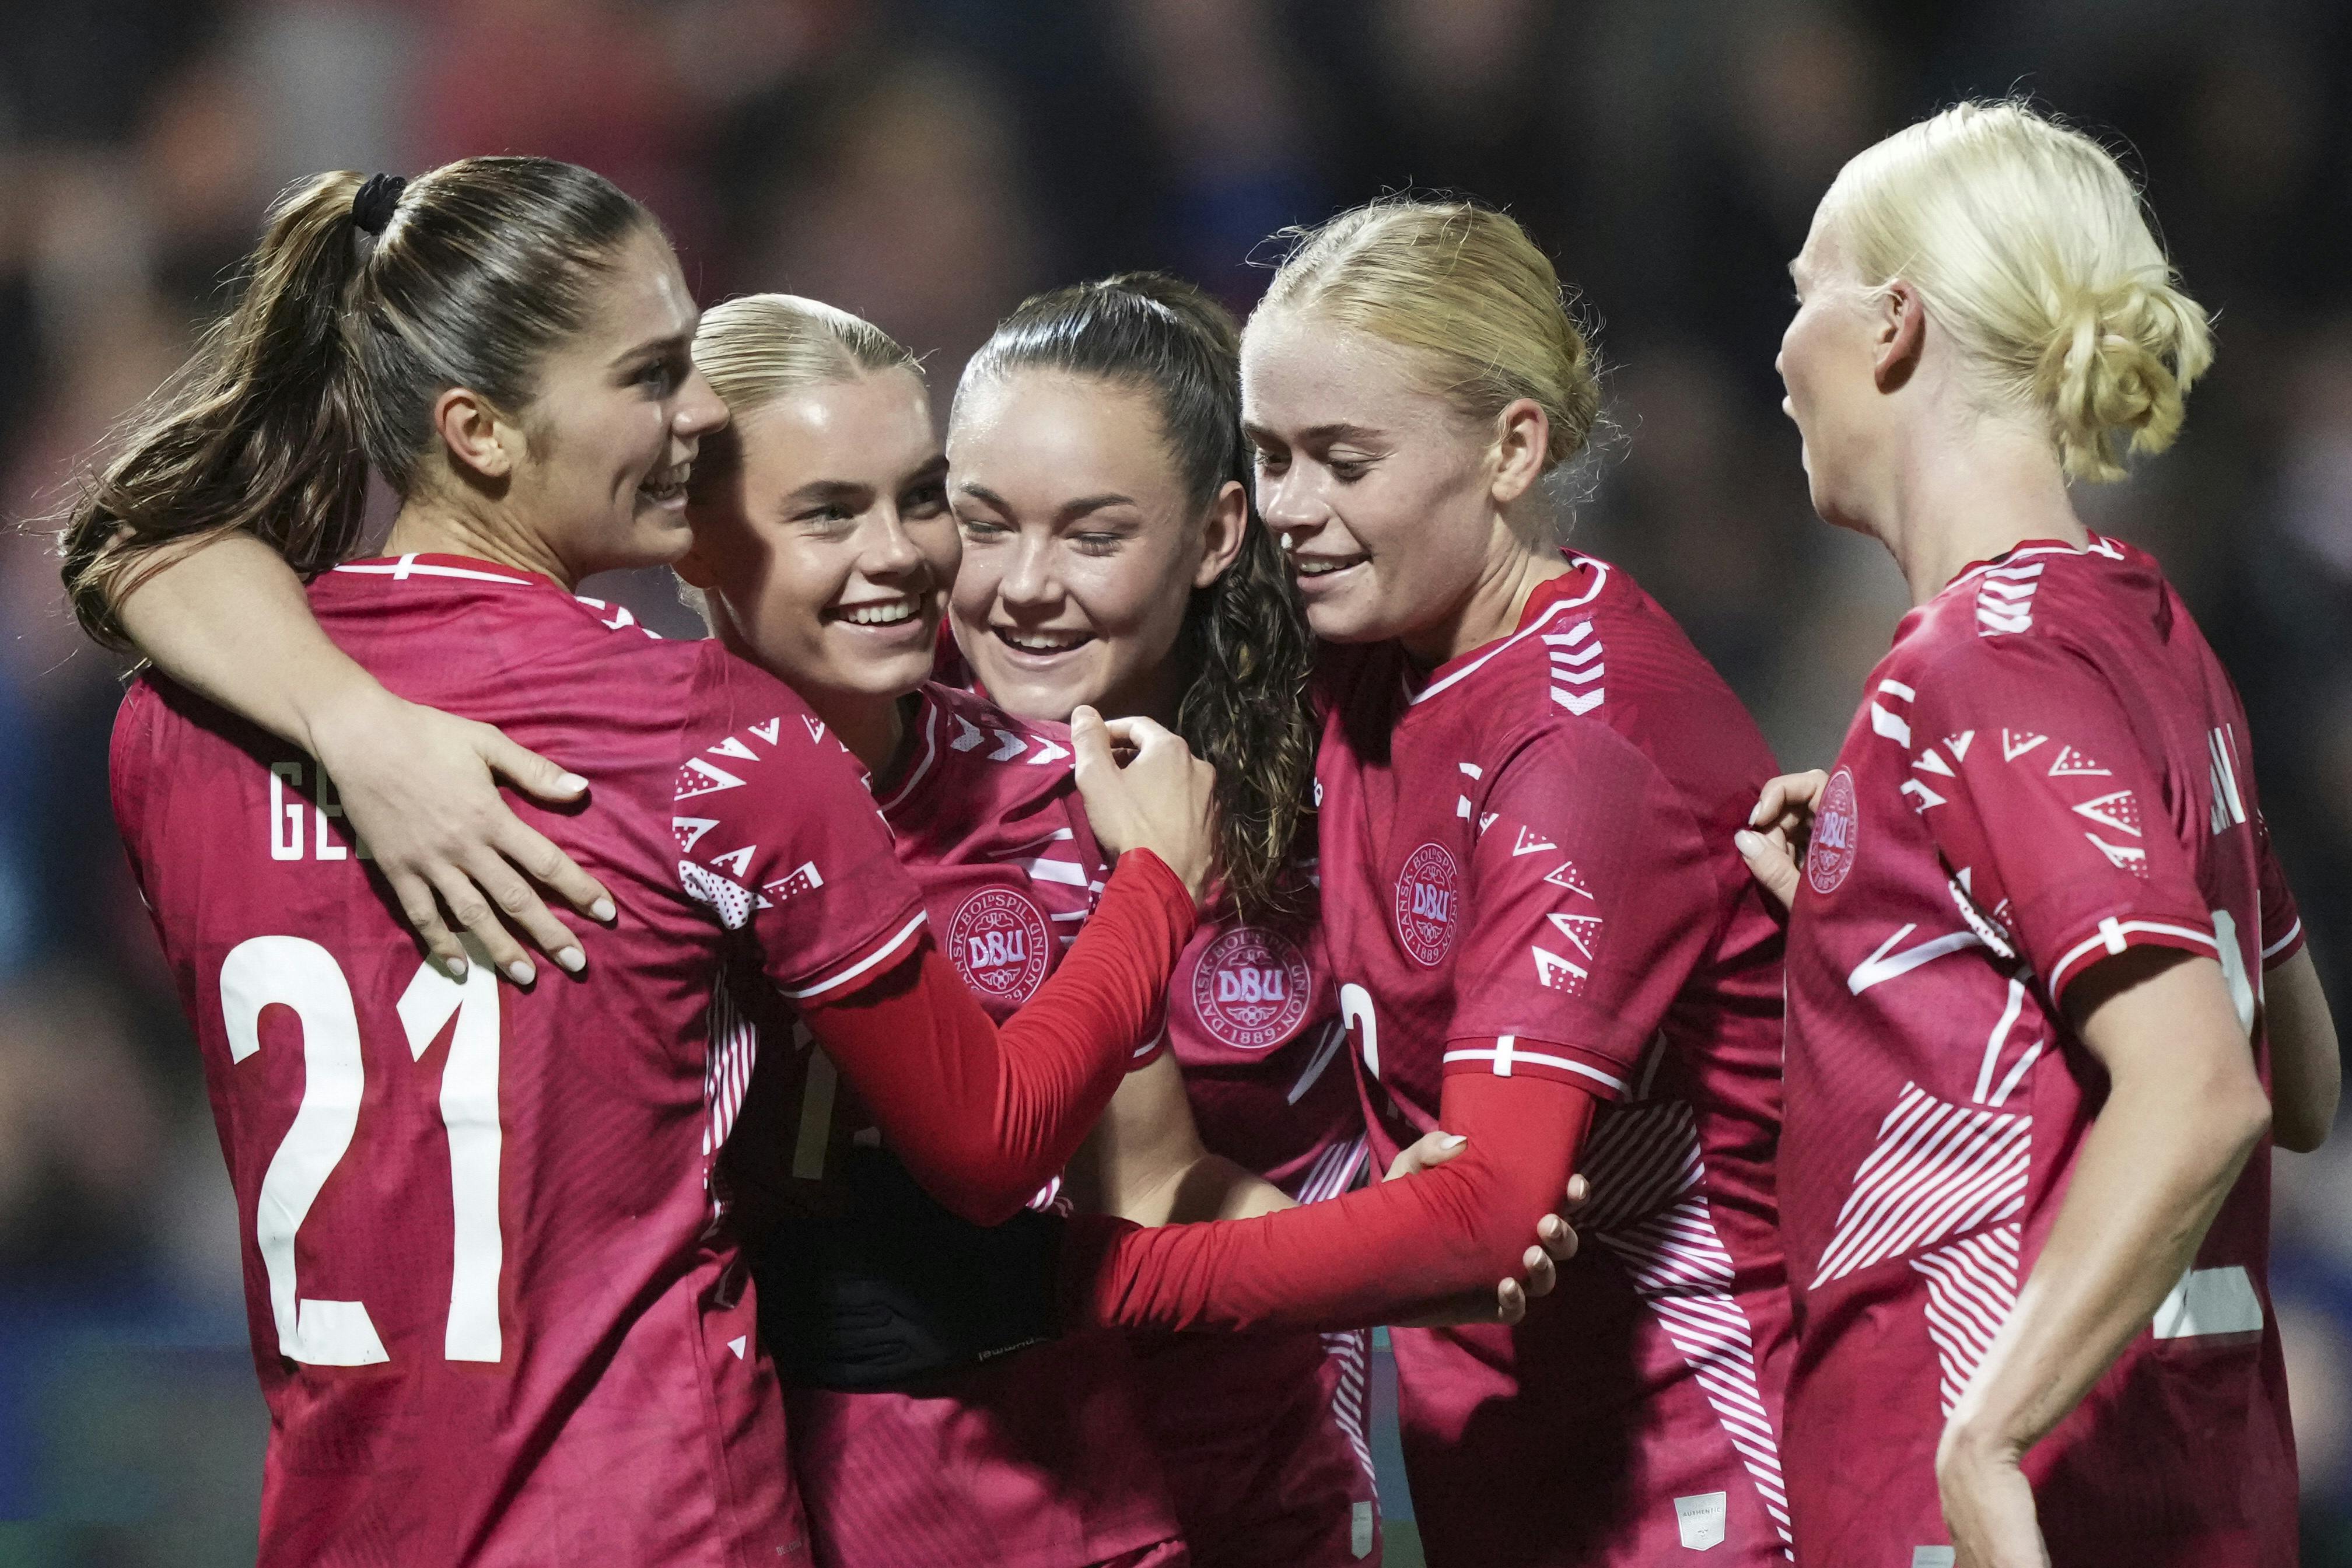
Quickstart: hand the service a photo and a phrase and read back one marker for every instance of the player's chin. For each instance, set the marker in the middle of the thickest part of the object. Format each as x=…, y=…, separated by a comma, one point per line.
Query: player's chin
x=1349, y=617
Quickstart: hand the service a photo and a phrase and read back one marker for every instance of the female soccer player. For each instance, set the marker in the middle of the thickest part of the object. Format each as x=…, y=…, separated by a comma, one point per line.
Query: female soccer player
x=1112, y=559
x=554, y=1357
x=1528, y=784
x=2030, y=1030
x=823, y=549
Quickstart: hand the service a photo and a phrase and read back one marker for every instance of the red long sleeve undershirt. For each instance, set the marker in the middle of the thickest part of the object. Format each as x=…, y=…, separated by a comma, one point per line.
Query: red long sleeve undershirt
x=982, y=1116
x=1384, y=1254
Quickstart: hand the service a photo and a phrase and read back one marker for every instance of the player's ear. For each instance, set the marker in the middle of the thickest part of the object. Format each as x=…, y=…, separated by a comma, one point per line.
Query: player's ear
x=1221, y=537
x=478, y=439
x=1900, y=330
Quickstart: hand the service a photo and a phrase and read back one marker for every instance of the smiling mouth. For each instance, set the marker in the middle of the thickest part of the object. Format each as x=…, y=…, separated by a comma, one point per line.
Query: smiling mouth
x=669, y=486
x=1041, y=644
x=1324, y=565
x=875, y=612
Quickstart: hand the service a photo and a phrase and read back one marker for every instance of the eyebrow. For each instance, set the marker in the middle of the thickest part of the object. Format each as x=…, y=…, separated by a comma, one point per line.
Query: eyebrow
x=1078, y=508
x=668, y=343
x=827, y=490
x=1316, y=434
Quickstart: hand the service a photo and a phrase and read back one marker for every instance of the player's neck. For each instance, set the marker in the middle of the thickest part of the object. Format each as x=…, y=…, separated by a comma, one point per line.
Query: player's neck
x=1950, y=503
x=875, y=730
x=424, y=527
x=1491, y=609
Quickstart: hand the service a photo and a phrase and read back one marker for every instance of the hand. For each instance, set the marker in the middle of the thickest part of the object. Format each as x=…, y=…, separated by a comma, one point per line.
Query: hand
x=1988, y=1502
x=1160, y=799
x=1779, y=830
x=418, y=788
x=1555, y=1238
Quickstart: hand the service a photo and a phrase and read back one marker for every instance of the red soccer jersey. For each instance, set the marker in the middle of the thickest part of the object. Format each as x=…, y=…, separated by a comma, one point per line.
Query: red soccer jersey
x=496, y=1317
x=1039, y=1459
x=1527, y=870
x=1264, y=1436
x=2050, y=767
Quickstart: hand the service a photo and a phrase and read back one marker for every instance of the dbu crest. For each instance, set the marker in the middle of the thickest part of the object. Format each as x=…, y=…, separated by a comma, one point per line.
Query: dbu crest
x=1837, y=826
x=999, y=942
x=1250, y=988
x=1426, y=892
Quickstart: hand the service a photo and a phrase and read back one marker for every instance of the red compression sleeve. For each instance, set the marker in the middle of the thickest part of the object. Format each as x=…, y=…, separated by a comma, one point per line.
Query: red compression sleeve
x=982, y=1116
x=1383, y=1254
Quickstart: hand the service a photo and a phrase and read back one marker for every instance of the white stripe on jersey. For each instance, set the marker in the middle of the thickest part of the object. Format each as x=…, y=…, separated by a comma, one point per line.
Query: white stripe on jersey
x=1507, y=1052
x=2279, y=946
x=2116, y=935
x=1972, y=1291
x=844, y=977
x=408, y=567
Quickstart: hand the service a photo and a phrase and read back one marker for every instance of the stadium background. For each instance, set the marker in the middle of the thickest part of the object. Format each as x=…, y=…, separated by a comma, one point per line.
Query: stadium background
x=926, y=165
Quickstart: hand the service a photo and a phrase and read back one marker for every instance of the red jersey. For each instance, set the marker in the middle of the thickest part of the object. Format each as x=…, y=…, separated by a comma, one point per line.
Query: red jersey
x=1039, y=1459
x=1264, y=1436
x=1528, y=872
x=495, y=1316
x=2050, y=768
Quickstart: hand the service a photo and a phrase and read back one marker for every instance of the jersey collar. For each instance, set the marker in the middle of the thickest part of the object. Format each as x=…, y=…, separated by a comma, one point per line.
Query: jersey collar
x=1571, y=590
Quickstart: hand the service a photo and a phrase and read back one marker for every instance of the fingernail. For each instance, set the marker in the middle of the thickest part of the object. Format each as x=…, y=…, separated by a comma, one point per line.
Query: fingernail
x=573, y=958
x=603, y=909
x=521, y=973
x=1748, y=843
x=1451, y=1140
x=571, y=784
x=456, y=966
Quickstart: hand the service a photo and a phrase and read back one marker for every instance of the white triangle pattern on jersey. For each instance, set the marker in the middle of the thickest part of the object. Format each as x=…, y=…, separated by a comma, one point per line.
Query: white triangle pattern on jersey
x=1971, y=1291
x=1937, y=1169
x=1644, y=1161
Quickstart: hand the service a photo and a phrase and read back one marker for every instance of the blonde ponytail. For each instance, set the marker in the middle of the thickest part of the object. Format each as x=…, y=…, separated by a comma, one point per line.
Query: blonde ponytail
x=2032, y=250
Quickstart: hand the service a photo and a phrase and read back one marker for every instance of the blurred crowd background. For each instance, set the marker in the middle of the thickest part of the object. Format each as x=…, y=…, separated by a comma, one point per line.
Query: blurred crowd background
x=926, y=165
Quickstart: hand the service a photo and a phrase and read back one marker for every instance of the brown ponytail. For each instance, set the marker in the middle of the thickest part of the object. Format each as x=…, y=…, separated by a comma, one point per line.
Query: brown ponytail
x=1246, y=707
x=330, y=363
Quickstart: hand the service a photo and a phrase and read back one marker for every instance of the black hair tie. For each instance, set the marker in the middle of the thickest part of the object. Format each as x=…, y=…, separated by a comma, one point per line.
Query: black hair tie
x=372, y=209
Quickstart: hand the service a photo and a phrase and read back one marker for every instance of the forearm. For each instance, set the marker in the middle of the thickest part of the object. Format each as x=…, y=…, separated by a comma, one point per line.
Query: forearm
x=984, y=1117
x=2155, y=1168
x=1382, y=1253
x=230, y=621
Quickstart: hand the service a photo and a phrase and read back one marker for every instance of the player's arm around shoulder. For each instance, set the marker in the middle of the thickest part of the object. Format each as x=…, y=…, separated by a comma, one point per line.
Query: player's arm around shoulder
x=419, y=786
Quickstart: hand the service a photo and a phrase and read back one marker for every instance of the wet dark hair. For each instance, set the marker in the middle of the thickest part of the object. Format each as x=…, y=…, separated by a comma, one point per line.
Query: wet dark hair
x=342, y=335
x=1246, y=708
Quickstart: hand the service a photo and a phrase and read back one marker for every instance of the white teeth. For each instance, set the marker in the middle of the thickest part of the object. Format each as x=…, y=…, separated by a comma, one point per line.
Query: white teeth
x=888, y=615
x=1323, y=566
x=1043, y=642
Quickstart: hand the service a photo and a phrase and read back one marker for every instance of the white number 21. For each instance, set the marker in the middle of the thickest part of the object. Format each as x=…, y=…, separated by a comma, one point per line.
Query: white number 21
x=290, y=972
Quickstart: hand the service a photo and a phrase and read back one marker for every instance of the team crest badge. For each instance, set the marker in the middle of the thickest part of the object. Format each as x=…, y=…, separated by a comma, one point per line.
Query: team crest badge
x=1250, y=988
x=1426, y=892
x=1837, y=828
x=999, y=942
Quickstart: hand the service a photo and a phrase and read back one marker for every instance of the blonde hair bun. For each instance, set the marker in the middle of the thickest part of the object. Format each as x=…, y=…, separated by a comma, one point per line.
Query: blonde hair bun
x=2033, y=249
x=1467, y=292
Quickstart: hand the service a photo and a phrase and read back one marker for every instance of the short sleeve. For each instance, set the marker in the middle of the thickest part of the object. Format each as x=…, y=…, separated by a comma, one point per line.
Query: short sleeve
x=776, y=833
x=2047, y=809
x=1587, y=904
x=2282, y=920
